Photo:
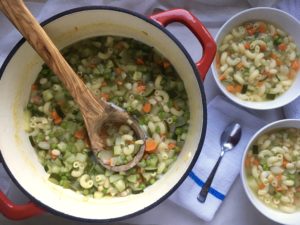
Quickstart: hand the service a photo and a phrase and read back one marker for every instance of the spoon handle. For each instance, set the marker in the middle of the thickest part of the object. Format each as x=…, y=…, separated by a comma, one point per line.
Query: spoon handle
x=204, y=191
x=20, y=16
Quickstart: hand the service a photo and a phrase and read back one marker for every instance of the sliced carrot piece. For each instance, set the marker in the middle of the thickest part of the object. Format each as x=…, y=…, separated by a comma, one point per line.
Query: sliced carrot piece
x=278, y=189
x=105, y=96
x=263, y=47
x=262, y=28
x=261, y=186
x=150, y=145
x=238, y=88
x=166, y=64
x=171, y=145
x=247, y=45
x=222, y=77
x=230, y=88
x=56, y=118
x=79, y=134
x=278, y=61
x=251, y=31
x=141, y=88
x=147, y=107
x=58, y=121
x=273, y=56
x=139, y=61
x=282, y=47
x=295, y=64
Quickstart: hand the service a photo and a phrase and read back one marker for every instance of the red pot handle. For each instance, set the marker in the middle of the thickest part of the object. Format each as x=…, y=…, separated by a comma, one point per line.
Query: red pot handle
x=197, y=28
x=18, y=212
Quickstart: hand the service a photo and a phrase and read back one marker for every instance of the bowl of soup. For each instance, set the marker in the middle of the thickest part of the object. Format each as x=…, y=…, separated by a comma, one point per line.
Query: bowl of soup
x=270, y=171
x=257, y=61
x=128, y=60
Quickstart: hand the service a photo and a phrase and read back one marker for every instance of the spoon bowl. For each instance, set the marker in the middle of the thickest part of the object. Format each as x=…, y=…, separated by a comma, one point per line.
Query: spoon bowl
x=230, y=136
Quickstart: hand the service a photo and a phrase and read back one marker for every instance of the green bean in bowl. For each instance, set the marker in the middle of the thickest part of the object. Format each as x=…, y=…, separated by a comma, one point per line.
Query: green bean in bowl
x=131, y=75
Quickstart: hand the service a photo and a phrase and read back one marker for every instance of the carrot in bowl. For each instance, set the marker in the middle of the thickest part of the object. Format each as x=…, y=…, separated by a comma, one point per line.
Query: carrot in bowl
x=56, y=118
x=147, y=107
x=222, y=77
x=282, y=47
x=150, y=145
x=295, y=64
x=230, y=88
x=171, y=145
x=247, y=45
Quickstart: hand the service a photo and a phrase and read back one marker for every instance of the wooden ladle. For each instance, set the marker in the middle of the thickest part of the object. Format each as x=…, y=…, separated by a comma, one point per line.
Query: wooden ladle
x=95, y=112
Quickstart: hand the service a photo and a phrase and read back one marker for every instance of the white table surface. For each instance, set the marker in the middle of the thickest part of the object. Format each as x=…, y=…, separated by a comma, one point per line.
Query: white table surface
x=236, y=208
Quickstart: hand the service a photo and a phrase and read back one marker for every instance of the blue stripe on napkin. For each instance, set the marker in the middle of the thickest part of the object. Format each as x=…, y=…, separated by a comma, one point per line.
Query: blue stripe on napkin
x=212, y=191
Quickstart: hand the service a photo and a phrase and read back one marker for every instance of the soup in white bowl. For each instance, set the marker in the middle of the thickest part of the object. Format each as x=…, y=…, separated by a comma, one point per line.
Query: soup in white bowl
x=258, y=58
x=270, y=171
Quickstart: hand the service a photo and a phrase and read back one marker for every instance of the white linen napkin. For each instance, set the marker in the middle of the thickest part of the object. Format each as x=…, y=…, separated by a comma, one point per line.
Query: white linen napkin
x=220, y=114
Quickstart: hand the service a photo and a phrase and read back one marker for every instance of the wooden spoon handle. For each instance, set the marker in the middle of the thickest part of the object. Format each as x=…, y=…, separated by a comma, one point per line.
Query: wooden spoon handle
x=20, y=16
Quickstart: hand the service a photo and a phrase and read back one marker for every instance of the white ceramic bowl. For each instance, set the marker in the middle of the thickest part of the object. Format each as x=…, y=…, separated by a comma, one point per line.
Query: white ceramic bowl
x=278, y=18
x=273, y=214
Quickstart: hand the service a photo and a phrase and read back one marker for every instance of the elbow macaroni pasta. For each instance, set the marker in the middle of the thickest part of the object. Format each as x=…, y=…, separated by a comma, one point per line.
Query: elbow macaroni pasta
x=257, y=61
x=273, y=170
x=130, y=75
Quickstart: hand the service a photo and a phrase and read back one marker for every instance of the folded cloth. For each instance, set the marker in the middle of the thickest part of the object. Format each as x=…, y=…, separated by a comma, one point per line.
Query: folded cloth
x=220, y=114
x=292, y=110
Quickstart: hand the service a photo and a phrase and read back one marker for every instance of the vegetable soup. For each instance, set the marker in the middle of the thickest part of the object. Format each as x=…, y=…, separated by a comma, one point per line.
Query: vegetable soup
x=273, y=169
x=257, y=61
x=131, y=75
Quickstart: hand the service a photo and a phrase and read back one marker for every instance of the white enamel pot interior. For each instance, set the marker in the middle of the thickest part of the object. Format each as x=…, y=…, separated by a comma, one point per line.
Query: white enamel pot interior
x=19, y=72
x=280, y=19
x=273, y=214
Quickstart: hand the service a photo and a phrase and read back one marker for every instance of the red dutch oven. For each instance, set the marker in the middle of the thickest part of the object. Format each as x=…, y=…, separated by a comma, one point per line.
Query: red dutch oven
x=19, y=71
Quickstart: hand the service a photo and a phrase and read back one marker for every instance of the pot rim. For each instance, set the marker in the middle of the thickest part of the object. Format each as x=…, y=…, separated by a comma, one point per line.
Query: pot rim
x=204, y=110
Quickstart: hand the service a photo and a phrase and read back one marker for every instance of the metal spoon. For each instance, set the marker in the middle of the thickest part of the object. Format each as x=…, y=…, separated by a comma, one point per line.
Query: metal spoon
x=95, y=112
x=229, y=139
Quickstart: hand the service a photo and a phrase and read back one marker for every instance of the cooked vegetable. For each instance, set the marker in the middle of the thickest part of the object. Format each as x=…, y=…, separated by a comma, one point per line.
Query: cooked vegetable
x=131, y=75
